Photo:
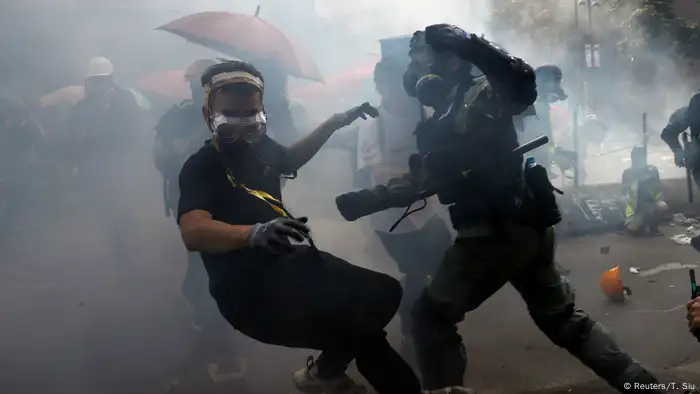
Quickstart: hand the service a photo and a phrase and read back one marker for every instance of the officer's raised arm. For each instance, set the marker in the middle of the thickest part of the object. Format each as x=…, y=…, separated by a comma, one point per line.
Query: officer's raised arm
x=305, y=149
x=510, y=77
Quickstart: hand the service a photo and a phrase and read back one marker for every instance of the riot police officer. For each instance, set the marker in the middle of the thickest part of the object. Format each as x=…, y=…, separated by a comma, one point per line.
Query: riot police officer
x=503, y=214
x=679, y=122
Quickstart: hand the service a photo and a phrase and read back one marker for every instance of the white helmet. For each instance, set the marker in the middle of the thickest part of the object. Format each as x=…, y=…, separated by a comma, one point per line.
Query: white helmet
x=99, y=67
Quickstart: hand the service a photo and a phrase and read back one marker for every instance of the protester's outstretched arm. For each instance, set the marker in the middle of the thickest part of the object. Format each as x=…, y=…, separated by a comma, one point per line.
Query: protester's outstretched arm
x=304, y=150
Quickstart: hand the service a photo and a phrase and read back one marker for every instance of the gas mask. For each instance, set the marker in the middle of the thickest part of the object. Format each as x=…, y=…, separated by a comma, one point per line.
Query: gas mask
x=551, y=91
x=427, y=77
x=232, y=133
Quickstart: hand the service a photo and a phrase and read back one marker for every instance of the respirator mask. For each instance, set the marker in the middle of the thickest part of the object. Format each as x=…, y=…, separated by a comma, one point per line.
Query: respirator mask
x=234, y=132
x=548, y=78
x=426, y=77
x=231, y=132
x=551, y=91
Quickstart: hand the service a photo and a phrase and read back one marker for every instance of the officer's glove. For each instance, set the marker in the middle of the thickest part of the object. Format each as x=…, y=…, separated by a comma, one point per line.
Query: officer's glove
x=679, y=159
x=274, y=235
x=355, y=205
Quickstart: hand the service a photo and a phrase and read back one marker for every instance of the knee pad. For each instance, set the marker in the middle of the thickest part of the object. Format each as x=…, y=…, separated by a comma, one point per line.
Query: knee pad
x=429, y=317
x=567, y=328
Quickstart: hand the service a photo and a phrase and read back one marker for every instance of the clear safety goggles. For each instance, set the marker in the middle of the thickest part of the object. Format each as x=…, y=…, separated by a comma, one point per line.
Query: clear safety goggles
x=233, y=128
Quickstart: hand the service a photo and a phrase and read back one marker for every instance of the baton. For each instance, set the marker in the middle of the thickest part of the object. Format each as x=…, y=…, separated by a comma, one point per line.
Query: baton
x=524, y=148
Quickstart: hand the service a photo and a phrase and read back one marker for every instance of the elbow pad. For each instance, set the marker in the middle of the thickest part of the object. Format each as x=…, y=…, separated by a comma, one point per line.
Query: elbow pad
x=515, y=77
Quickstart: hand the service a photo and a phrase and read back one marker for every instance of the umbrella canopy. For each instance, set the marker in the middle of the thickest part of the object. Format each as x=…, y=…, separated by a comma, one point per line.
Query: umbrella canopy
x=168, y=83
x=351, y=81
x=67, y=95
x=245, y=36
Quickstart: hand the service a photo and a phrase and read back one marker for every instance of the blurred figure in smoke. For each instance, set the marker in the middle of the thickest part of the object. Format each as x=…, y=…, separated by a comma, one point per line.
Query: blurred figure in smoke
x=683, y=119
x=20, y=135
x=104, y=129
x=384, y=147
x=230, y=210
x=536, y=121
x=281, y=125
x=642, y=187
x=179, y=134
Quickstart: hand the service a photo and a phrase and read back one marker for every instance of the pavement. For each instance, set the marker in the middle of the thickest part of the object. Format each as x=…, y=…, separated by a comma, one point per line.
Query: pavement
x=75, y=321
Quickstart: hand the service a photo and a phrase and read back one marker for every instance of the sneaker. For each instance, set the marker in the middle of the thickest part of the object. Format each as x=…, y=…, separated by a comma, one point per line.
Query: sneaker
x=450, y=390
x=306, y=380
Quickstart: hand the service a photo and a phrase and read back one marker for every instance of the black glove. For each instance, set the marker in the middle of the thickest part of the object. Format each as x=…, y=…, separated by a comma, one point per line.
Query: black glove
x=355, y=205
x=444, y=37
x=274, y=235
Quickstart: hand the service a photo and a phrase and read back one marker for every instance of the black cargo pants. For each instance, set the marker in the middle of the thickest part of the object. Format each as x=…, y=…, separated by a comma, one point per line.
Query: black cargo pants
x=417, y=255
x=314, y=300
x=477, y=266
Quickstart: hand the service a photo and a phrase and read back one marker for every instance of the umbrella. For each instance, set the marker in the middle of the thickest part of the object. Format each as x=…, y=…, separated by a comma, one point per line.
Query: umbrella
x=168, y=83
x=351, y=81
x=67, y=95
x=244, y=36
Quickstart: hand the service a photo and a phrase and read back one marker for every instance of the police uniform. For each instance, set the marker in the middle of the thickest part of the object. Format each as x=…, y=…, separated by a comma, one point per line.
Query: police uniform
x=500, y=238
x=680, y=121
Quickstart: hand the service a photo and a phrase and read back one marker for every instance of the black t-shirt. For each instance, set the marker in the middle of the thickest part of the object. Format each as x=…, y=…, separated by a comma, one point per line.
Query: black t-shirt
x=204, y=185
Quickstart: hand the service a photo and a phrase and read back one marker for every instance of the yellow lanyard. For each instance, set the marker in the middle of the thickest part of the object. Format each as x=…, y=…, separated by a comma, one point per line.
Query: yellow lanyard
x=267, y=199
x=264, y=196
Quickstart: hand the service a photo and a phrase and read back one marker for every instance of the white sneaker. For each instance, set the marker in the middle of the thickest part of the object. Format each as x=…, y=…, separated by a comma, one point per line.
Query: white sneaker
x=450, y=390
x=306, y=380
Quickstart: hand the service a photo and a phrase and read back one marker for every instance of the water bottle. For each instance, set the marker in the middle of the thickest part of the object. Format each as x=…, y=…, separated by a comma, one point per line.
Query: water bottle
x=530, y=162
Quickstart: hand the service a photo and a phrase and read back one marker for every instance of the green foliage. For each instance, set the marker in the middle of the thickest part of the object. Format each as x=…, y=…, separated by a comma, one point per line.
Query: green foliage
x=652, y=25
x=658, y=27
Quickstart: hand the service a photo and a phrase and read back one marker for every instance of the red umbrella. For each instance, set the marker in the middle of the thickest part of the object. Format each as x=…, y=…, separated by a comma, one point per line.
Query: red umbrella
x=244, y=36
x=350, y=81
x=168, y=83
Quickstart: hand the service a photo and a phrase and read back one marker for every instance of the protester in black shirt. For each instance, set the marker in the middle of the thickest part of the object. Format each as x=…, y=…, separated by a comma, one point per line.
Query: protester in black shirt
x=278, y=293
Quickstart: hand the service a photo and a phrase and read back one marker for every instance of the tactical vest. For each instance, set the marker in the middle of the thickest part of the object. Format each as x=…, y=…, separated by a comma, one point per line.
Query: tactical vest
x=474, y=133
